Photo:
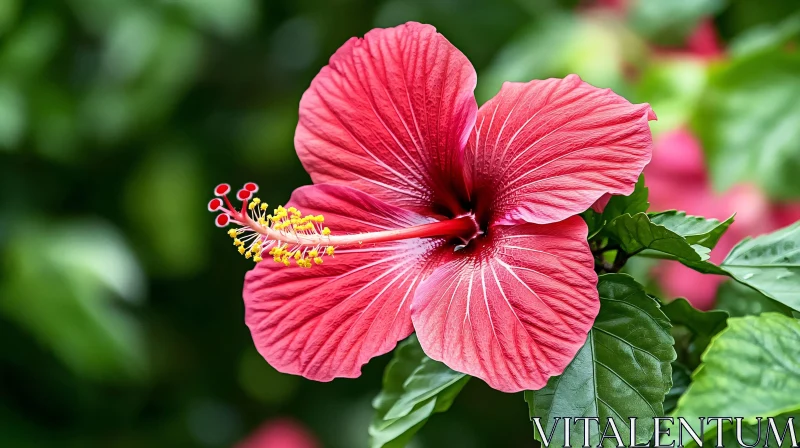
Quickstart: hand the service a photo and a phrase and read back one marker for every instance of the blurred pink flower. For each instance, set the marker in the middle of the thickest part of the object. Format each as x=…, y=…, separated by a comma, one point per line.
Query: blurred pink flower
x=280, y=433
x=677, y=179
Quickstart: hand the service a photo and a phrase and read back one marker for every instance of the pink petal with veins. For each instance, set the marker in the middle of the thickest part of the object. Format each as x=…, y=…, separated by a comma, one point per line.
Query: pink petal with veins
x=329, y=320
x=512, y=309
x=390, y=116
x=543, y=151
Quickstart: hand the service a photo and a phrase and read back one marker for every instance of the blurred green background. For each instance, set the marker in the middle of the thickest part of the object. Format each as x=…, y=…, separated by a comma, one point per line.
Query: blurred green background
x=121, y=319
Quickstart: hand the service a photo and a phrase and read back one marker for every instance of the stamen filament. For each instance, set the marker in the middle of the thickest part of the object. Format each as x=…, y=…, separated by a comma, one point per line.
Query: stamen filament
x=458, y=227
x=287, y=235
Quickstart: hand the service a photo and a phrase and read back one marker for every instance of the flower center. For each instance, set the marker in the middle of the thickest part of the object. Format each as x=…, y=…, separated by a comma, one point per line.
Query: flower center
x=288, y=235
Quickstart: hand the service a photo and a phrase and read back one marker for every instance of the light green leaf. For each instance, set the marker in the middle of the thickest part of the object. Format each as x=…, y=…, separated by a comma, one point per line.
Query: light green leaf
x=694, y=229
x=414, y=388
x=751, y=436
x=749, y=370
x=770, y=264
x=749, y=123
x=62, y=282
x=740, y=300
x=623, y=370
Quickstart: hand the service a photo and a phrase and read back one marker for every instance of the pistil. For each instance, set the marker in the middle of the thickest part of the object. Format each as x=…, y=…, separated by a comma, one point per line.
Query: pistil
x=288, y=235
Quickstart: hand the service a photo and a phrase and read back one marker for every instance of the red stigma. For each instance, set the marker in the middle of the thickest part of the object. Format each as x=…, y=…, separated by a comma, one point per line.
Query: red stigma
x=222, y=220
x=222, y=204
x=243, y=194
x=222, y=190
x=214, y=204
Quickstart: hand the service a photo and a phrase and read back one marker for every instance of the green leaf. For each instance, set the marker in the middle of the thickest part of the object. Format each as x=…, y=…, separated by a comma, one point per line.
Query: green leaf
x=623, y=370
x=63, y=284
x=749, y=370
x=770, y=264
x=741, y=300
x=681, y=378
x=617, y=205
x=670, y=22
x=766, y=37
x=749, y=123
x=694, y=229
x=750, y=433
x=414, y=388
x=693, y=329
x=636, y=233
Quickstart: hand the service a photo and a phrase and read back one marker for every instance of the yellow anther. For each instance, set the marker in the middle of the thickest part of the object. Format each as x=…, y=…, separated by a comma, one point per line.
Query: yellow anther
x=320, y=218
x=317, y=260
x=241, y=250
x=248, y=254
x=264, y=207
x=326, y=231
x=257, y=258
x=256, y=201
x=298, y=255
x=232, y=233
x=313, y=253
x=329, y=251
x=285, y=261
x=251, y=205
x=262, y=221
x=237, y=242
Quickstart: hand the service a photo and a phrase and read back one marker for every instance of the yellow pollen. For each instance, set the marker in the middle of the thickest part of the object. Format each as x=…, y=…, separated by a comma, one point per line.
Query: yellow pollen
x=287, y=234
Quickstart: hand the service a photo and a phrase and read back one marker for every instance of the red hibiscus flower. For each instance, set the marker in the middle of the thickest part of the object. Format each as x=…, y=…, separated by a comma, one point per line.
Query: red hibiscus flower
x=456, y=222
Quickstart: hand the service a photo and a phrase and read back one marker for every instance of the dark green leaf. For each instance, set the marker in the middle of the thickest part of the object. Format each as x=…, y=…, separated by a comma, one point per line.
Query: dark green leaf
x=622, y=371
x=414, y=388
x=749, y=370
x=617, y=205
x=693, y=329
x=694, y=229
x=681, y=378
x=769, y=263
x=636, y=233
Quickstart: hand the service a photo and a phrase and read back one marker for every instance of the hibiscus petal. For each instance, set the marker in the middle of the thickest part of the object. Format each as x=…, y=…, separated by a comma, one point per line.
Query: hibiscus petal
x=329, y=320
x=515, y=308
x=390, y=115
x=546, y=150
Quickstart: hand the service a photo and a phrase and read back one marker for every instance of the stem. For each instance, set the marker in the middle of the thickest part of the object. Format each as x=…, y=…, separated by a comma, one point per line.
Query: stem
x=464, y=226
